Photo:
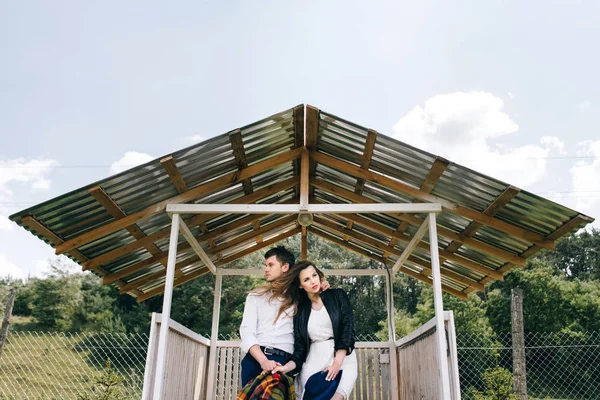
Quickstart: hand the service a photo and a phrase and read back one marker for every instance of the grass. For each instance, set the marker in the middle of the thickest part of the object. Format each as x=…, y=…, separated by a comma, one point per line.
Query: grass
x=53, y=366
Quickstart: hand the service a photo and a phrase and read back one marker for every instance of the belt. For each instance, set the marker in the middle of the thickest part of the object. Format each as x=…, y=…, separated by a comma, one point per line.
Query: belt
x=274, y=351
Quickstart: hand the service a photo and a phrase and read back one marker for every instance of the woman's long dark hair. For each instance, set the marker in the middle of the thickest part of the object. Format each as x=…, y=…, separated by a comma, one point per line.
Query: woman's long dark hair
x=288, y=286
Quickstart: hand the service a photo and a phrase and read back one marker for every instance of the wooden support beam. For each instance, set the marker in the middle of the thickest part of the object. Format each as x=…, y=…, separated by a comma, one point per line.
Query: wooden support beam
x=235, y=138
x=491, y=210
x=233, y=257
x=433, y=176
x=42, y=230
x=377, y=258
x=366, y=159
x=137, y=283
x=426, y=197
x=312, y=133
x=169, y=165
x=298, y=137
x=215, y=251
x=414, y=220
x=364, y=164
x=264, y=230
x=416, y=239
x=465, y=262
x=196, y=246
x=575, y=222
x=198, y=220
x=113, y=208
x=304, y=253
x=304, y=179
x=391, y=250
x=190, y=195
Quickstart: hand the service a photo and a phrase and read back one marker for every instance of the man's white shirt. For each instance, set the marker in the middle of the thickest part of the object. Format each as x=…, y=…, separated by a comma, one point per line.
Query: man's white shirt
x=257, y=325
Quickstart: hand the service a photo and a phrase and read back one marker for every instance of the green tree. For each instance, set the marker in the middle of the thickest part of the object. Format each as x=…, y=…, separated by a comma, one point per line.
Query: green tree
x=551, y=302
x=577, y=256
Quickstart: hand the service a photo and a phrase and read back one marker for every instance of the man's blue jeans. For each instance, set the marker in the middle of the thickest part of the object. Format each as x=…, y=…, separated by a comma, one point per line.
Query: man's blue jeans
x=251, y=368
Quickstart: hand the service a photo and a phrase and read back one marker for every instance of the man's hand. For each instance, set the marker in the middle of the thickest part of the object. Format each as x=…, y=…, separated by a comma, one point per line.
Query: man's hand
x=289, y=366
x=269, y=365
x=324, y=285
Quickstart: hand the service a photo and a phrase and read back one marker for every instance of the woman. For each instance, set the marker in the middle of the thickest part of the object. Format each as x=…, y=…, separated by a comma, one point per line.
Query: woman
x=323, y=331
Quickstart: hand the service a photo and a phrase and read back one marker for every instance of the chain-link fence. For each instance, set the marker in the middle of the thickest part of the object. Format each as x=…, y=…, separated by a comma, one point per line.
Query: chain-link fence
x=40, y=365
x=67, y=366
x=563, y=365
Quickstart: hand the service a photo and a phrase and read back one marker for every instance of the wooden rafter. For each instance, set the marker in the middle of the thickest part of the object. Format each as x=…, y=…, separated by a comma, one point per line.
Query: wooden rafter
x=565, y=228
x=365, y=163
x=447, y=205
x=169, y=165
x=188, y=196
x=491, y=210
x=407, y=271
x=414, y=220
x=113, y=208
x=392, y=250
x=132, y=269
x=433, y=176
x=193, y=221
x=237, y=144
x=42, y=230
x=235, y=138
x=233, y=257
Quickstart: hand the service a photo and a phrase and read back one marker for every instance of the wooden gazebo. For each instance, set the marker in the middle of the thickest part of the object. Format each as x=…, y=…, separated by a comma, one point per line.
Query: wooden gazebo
x=239, y=192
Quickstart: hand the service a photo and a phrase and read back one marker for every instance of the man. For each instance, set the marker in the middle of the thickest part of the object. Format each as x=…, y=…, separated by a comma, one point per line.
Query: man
x=266, y=342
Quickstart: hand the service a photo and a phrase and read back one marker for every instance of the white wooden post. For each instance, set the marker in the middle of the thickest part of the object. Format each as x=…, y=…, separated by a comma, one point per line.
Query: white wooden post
x=392, y=340
x=166, y=311
x=212, y=359
x=440, y=329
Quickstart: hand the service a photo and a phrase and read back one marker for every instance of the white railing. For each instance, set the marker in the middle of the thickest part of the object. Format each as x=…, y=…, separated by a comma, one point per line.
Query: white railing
x=185, y=365
x=418, y=362
x=373, y=371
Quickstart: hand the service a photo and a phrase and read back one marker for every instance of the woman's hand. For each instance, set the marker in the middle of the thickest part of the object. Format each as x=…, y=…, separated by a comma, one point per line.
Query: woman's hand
x=333, y=370
x=284, y=369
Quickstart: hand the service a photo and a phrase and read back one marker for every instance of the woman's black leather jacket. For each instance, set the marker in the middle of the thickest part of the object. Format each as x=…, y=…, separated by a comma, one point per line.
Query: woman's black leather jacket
x=342, y=319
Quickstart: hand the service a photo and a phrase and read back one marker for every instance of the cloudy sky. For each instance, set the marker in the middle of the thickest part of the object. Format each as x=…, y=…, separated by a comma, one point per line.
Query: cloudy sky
x=510, y=89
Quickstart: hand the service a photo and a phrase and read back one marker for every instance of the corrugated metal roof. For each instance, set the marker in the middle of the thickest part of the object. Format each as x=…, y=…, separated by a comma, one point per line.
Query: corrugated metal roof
x=138, y=268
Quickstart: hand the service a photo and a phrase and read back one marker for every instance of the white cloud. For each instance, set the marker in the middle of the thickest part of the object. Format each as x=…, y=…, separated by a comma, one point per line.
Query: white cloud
x=18, y=172
x=463, y=127
x=8, y=268
x=584, y=106
x=195, y=138
x=586, y=182
x=511, y=95
x=5, y=223
x=129, y=160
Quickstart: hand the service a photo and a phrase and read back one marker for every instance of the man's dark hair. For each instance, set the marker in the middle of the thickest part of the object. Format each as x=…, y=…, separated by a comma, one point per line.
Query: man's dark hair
x=282, y=255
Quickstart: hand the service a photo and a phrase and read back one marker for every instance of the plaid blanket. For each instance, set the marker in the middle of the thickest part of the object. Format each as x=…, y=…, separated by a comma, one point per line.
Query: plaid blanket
x=269, y=386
